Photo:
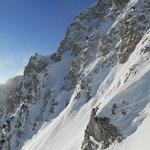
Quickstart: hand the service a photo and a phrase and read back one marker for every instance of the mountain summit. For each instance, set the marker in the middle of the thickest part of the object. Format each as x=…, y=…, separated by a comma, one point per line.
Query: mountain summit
x=93, y=93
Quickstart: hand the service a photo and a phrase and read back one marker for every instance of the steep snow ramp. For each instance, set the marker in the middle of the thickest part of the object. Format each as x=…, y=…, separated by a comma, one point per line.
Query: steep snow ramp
x=137, y=141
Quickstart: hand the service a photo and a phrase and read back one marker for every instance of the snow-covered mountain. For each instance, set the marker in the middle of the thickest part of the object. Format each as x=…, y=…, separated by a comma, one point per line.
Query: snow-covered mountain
x=93, y=93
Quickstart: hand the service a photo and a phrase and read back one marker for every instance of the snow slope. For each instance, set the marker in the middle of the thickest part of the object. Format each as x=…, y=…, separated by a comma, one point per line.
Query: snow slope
x=137, y=141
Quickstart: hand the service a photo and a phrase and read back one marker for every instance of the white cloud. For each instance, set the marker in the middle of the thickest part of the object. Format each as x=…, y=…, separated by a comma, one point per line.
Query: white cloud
x=10, y=66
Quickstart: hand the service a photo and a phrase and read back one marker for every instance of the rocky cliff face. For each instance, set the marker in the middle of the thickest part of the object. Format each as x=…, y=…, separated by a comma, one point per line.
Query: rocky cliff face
x=118, y=4
x=103, y=60
x=100, y=129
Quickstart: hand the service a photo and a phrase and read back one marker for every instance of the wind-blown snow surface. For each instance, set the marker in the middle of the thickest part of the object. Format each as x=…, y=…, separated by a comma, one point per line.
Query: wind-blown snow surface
x=127, y=85
x=137, y=141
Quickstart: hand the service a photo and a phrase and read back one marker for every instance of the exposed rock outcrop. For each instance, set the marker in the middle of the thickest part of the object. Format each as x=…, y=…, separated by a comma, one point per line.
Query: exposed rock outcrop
x=56, y=57
x=101, y=130
x=118, y=4
x=36, y=63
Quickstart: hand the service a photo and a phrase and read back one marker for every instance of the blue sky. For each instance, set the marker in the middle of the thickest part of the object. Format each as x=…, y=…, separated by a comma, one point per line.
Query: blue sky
x=30, y=26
